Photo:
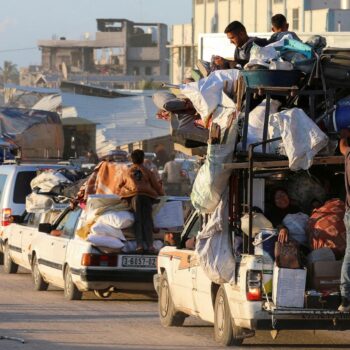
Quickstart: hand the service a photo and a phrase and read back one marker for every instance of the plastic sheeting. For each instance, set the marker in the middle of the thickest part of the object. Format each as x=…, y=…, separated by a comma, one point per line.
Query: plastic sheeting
x=212, y=179
x=214, y=246
x=38, y=133
x=302, y=138
x=206, y=94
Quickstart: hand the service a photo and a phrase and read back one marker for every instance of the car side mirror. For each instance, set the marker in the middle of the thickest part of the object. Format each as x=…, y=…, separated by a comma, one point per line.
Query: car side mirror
x=45, y=227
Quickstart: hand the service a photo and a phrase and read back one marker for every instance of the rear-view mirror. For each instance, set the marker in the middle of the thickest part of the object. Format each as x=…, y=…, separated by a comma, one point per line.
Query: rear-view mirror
x=45, y=227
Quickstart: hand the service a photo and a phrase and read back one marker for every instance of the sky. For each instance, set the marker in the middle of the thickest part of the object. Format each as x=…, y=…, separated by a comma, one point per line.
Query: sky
x=24, y=22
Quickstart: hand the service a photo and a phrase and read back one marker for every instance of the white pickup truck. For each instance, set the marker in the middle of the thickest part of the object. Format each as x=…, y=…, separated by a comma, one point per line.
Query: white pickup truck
x=237, y=309
x=68, y=262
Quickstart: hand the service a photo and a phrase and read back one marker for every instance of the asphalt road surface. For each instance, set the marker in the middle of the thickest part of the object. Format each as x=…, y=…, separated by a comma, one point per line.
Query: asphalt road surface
x=46, y=321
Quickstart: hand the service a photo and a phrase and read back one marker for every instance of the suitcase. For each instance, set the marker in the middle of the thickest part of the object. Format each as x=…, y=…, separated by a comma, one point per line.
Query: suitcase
x=336, y=68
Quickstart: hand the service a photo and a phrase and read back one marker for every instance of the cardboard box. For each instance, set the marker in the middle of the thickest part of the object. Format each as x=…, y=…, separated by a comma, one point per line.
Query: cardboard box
x=169, y=214
x=324, y=275
x=288, y=287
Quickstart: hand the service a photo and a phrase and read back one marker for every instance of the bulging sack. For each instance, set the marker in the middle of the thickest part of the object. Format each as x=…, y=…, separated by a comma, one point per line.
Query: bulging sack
x=212, y=179
x=214, y=246
x=117, y=219
x=99, y=229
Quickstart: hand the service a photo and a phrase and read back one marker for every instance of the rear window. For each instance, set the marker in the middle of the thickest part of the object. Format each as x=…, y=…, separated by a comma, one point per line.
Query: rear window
x=2, y=184
x=22, y=186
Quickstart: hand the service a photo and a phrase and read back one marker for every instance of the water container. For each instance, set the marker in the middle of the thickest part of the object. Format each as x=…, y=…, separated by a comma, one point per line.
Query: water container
x=341, y=116
x=264, y=244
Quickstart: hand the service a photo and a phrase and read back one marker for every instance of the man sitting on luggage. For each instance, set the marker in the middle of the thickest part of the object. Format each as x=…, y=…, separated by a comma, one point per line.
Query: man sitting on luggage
x=140, y=185
x=280, y=28
x=237, y=34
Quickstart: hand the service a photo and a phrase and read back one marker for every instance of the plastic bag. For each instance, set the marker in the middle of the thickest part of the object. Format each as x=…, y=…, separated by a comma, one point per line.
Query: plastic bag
x=117, y=219
x=48, y=180
x=214, y=246
x=259, y=222
x=297, y=225
x=256, y=125
x=38, y=203
x=212, y=179
x=206, y=94
x=302, y=138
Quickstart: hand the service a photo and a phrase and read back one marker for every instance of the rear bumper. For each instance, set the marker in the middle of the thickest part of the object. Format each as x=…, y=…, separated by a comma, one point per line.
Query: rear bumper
x=90, y=279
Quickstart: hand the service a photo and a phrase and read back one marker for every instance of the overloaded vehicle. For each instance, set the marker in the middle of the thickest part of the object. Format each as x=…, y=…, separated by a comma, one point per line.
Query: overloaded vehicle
x=85, y=247
x=265, y=247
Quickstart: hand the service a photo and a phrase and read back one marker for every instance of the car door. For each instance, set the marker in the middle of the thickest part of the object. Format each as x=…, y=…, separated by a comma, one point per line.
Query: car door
x=57, y=246
x=28, y=231
x=185, y=270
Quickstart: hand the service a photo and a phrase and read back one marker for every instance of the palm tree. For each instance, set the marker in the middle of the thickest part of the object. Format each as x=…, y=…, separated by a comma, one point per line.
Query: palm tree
x=9, y=72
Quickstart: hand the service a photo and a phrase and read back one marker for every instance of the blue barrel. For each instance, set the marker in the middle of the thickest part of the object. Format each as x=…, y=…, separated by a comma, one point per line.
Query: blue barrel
x=341, y=116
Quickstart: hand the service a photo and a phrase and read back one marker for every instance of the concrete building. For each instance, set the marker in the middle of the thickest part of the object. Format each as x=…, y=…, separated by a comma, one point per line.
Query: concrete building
x=124, y=51
x=212, y=16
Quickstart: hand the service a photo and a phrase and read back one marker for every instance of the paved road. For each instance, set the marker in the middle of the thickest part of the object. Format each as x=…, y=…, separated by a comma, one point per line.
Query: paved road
x=46, y=321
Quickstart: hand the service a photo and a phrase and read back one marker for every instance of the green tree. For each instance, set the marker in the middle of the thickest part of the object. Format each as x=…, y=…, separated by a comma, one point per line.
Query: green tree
x=9, y=73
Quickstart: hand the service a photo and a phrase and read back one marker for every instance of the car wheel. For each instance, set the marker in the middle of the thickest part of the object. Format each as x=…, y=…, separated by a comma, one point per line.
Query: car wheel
x=103, y=293
x=224, y=328
x=71, y=292
x=39, y=282
x=169, y=317
x=9, y=265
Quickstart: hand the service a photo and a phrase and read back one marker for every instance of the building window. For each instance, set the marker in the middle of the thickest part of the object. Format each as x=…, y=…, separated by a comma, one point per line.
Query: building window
x=136, y=71
x=295, y=19
x=188, y=57
x=277, y=1
x=199, y=2
x=148, y=70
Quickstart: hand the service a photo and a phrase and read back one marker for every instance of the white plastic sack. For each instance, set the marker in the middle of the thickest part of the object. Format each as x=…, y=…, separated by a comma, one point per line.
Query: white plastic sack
x=297, y=225
x=256, y=126
x=302, y=138
x=48, y=180
x=38, y=203
x=117, y=219
x=206, y=94
x=100, y=229
x=214, y=247
x=105, y=241
x=261, y=55
x=259, y=222
x=212, y=179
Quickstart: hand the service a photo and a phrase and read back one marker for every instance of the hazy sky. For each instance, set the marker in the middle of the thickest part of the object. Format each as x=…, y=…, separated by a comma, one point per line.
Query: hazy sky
x=24, y=22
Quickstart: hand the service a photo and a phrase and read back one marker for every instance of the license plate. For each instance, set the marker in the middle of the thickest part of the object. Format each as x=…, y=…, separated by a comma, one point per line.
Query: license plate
x=139, y=261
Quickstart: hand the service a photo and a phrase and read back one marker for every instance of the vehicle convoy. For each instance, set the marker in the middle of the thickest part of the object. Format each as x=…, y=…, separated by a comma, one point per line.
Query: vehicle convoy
x=242, y=263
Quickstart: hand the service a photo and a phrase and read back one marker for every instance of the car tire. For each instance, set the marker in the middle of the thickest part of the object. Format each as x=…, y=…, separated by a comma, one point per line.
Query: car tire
x=38, y=280
x=169, y=316
x=103, y=293
x=71, y=292
x=224, y=328
x=9, y=265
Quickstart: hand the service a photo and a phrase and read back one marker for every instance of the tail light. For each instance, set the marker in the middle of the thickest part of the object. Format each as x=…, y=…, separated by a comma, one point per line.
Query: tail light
x=254, y=285
x=99, y=260
x=6, y=216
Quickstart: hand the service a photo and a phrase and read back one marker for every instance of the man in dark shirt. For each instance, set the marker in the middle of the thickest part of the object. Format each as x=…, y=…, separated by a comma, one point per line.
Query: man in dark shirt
x=345, y=272
x=237, y=34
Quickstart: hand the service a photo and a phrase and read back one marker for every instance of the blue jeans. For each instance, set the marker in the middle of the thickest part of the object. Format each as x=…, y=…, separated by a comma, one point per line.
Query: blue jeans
x=345, y=271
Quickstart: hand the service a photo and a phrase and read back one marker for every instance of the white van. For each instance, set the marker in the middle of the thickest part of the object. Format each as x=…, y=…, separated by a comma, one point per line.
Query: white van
x=14, y=187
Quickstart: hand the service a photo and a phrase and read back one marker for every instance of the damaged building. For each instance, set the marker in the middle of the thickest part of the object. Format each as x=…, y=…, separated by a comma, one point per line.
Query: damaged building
x=122, y=55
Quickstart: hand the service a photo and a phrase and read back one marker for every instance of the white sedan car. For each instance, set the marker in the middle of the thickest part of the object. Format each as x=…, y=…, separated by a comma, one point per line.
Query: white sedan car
x=68, y=262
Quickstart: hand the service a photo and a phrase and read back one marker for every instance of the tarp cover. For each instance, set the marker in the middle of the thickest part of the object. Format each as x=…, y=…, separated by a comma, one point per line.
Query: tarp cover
x=38, y=133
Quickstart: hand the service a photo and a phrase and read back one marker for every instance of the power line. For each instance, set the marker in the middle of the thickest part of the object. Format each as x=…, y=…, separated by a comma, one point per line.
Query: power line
x=26, y=48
